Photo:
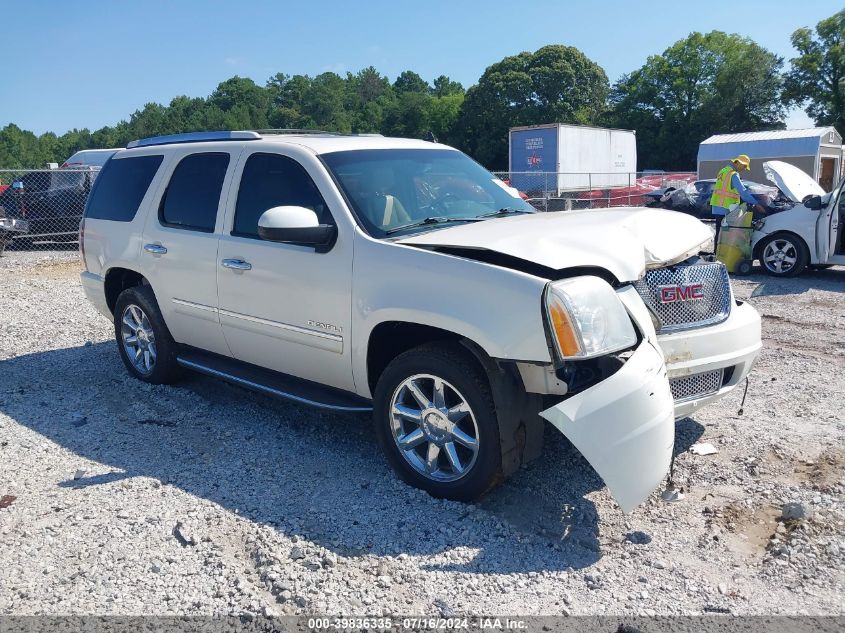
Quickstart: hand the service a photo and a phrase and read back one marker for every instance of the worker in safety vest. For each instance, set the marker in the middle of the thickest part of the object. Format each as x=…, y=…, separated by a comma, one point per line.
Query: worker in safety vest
x=729, y=190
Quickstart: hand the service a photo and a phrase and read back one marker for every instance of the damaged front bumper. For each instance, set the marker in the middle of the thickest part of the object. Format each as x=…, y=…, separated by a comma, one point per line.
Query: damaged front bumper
x=624, y=426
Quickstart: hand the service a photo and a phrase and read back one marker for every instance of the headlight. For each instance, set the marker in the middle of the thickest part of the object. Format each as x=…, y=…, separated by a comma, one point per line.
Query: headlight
x=587, y=319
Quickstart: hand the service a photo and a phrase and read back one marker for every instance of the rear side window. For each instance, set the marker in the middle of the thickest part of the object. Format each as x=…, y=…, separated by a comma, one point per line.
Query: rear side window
x=192, y=197
x=120, y=187
x=272, y=180
x=67, y=179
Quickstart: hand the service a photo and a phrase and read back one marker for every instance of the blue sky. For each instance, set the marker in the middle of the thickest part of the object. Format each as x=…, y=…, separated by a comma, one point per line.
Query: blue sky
x=89, y=64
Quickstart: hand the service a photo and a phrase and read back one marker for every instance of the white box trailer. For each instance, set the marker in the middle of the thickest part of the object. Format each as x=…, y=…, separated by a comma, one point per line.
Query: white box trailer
x=554, y=158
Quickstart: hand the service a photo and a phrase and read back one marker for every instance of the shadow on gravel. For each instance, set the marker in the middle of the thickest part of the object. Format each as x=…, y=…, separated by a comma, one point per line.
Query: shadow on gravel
x=315, y=474
x=829, y=280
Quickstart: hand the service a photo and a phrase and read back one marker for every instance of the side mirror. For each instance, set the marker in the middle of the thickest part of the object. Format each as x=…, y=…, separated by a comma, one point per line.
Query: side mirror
x=813, y=202
x=295, y=225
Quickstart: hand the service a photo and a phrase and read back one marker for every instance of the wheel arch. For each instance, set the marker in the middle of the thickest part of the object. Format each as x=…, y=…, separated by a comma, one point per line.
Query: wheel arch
x=758, y=245
x=520, y=427
x=118, y=279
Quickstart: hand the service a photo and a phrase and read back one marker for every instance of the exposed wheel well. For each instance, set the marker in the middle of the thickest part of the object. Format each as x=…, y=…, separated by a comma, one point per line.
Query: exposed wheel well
x=118, y=280
x=520, y=428
x=391, y=338
x=758, y=247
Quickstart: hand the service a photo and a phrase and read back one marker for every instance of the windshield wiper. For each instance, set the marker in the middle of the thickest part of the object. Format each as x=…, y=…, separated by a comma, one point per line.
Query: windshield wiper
x=430, y=220
x=504, y=211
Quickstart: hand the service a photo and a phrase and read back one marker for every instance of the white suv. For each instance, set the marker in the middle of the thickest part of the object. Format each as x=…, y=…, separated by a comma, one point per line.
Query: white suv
x=361, y=273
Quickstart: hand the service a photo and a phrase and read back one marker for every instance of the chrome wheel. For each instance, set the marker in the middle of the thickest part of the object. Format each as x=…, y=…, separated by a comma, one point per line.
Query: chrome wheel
x=434, y=428
x=138, y=339
x=780, y=256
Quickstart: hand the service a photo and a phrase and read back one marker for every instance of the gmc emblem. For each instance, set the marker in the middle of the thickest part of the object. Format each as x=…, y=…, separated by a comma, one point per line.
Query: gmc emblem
x=672, y=294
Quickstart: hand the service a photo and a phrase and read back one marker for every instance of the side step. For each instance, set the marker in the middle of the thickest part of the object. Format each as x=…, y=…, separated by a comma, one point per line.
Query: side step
x=271, y=382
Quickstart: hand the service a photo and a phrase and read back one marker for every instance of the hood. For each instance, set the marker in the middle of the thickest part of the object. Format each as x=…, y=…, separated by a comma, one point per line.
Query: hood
x=794, y=183
x=624, y=241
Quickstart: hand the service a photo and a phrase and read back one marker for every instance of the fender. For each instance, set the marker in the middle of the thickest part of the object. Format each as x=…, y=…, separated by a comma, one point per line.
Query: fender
x=497, y=308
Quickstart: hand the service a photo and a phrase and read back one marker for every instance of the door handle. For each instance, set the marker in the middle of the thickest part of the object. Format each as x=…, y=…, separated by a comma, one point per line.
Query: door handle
x=155, y=249
x=236, y=264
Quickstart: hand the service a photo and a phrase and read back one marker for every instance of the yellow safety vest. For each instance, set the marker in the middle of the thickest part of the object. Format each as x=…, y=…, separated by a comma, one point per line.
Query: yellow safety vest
x=724, y=194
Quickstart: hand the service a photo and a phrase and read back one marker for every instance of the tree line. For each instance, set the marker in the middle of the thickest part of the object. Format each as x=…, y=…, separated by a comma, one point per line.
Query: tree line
x=703, y=84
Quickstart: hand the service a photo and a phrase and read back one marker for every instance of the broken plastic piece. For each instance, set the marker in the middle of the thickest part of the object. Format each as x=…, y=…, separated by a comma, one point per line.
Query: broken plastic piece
x=624, y=426
x=703, y=448
x=672, y=494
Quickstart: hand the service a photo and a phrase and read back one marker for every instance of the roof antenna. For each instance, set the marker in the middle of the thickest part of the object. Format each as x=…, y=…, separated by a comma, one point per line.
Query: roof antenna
x=430, y=137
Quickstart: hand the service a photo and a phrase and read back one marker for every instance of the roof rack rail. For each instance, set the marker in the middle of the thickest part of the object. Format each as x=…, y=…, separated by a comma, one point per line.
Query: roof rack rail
x=294, y=130
x=194, y=137
x=305, y=131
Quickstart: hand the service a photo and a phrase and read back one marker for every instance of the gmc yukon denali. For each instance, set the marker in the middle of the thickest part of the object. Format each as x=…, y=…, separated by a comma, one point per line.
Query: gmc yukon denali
x=399, y=277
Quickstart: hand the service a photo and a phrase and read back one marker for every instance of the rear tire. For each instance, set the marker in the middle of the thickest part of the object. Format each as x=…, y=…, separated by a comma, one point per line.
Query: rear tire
x=436, y=402
x=143, y=340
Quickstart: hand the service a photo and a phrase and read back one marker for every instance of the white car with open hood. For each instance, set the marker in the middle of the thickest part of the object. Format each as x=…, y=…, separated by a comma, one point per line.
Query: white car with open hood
x=361, y=273
x=810, y=233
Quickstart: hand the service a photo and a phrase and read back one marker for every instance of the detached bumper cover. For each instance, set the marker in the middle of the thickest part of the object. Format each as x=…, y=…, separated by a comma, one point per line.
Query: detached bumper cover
x=624, y=426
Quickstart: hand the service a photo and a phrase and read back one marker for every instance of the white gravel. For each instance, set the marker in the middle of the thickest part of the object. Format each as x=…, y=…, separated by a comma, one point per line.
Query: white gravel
x=207, y=499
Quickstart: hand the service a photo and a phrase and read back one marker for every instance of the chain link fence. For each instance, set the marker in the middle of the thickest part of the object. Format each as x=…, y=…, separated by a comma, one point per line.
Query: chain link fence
x=40, y=209
x=557, y=191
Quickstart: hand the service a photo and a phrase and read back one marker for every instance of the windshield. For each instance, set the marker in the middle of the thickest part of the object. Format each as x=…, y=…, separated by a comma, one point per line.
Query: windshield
x=392, y=189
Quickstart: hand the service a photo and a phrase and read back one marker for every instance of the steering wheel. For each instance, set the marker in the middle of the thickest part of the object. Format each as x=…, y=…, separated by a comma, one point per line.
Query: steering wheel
x=440, y=201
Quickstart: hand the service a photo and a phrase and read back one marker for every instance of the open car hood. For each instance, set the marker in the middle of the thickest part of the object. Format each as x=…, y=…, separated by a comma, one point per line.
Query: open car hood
x=794, y=183
x=625, y=241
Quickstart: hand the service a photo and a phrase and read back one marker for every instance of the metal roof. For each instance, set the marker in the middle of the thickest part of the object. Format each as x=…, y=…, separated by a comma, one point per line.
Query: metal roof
x=772, y=144
x=771, y=135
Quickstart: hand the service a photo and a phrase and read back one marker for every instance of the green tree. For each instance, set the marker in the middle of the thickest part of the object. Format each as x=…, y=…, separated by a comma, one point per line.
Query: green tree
x=443, y=115
x=556, y=84
x=702, y=85
x=244, y=103
x=409, y=81
x=443, y=87
x=18, y=148
x=323, y=103
x=817, y=76
x=286, y=94
x=408, y=116
x=368, y=96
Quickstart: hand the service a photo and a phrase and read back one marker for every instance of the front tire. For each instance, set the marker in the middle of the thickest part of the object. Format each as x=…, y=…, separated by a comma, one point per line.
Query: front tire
x=784, y=255
x=436, y=422
x=143, y=340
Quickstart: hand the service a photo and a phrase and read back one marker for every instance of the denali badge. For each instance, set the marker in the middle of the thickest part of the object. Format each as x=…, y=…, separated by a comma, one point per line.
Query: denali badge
x=672, y=294
x=325, y=326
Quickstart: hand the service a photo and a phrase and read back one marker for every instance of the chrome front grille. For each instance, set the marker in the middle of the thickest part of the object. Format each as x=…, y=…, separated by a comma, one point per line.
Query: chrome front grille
x=696, y=386
x=687, y=296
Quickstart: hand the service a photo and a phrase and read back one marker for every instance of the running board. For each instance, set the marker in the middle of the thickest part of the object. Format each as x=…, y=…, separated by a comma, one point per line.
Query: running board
x=272, y=383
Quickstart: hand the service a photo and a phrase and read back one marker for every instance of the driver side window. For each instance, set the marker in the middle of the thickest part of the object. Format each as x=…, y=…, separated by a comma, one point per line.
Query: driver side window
x=273, y=180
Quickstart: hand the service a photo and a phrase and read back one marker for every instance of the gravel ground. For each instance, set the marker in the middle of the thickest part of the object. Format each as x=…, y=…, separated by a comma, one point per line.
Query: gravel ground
x=207, y=499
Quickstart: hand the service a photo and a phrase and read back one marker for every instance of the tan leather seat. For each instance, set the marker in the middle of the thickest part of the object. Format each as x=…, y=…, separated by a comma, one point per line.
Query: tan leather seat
x=384, y=209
